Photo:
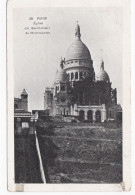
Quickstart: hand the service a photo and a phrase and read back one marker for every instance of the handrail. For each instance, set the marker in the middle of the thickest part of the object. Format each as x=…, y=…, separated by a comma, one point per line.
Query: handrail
x=40, y=159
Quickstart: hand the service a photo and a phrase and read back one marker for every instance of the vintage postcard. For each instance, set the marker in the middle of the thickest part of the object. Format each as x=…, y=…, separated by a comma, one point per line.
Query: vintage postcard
x=68, y=93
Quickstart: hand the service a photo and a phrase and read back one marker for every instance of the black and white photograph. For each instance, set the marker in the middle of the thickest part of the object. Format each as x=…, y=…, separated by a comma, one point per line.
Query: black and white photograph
x=67, y=95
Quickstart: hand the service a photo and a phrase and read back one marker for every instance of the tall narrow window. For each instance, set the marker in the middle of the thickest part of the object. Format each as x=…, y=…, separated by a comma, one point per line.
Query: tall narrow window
x=72, y=76
x=76, y=75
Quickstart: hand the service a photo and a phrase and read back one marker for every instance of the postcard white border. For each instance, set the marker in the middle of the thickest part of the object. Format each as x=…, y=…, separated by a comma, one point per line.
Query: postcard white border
x=126, y=184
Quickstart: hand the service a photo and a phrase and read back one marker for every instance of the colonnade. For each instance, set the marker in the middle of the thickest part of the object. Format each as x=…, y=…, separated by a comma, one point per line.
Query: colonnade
x=93, y=115
x=76, y=76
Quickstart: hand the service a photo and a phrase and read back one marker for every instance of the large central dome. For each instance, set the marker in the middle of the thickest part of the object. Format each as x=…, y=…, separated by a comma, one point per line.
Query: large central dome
x=77, y=50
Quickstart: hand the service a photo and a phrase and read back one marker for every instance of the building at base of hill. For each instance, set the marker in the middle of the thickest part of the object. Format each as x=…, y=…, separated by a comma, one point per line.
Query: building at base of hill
x=77, y=91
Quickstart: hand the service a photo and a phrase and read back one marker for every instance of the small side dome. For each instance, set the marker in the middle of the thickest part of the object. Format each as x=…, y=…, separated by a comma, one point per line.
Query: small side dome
x=61, y=75
x=103, y=76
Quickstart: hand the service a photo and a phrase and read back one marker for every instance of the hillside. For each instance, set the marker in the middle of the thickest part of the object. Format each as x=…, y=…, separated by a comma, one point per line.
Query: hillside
x=80, y=152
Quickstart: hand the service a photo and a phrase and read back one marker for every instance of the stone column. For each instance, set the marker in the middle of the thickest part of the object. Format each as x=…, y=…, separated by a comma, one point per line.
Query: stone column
x=71, y=110
x=78, y=75
x=69, y=76
x=85, y=115
x=76, y=113
x=94, y=115
x=74, y=76
x=103, y=116
x=103, y=113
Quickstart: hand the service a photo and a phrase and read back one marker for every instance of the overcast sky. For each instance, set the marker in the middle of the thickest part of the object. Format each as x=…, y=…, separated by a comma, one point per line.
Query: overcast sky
x=36, y=57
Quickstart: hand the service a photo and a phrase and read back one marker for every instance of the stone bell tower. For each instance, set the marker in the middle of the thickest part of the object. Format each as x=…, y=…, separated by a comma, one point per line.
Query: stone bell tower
x=24, y=100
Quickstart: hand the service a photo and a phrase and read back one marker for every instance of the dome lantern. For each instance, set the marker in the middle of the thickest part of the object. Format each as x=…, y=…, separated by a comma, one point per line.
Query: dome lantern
x=77, y=31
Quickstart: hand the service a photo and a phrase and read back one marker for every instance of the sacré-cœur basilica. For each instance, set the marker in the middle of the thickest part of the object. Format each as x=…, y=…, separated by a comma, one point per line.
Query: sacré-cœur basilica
x=77, y=91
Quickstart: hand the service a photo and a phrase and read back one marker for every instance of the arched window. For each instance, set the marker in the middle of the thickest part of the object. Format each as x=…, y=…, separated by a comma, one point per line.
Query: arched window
x=90, y=116
x=98, y=116
x=81, y=115
x=72, y=76
x=76, y=75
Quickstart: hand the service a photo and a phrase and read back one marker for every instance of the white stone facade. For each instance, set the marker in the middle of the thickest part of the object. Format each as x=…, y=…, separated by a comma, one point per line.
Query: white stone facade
x=95, y=109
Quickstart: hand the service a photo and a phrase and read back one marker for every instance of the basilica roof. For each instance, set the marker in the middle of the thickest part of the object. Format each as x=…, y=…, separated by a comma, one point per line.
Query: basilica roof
x=61, y=75
x=77, y=50
x=103, y=76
